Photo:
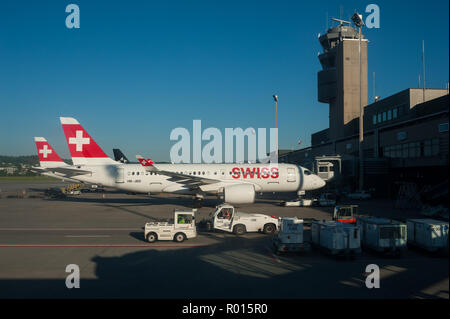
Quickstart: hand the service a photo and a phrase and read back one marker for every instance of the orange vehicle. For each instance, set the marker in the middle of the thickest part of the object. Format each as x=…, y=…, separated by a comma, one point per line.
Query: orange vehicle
x=345, y=214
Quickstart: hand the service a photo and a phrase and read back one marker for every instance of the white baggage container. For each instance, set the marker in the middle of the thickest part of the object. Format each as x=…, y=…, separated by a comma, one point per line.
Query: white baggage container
x=290, y=236
x=291, y=230
x=335, y=237
x=382, y=234
x=429, y=234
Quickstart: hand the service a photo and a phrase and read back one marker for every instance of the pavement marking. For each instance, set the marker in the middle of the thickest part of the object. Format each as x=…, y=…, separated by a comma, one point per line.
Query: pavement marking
x=87, y=236
x=98, y=245
x=64, y=229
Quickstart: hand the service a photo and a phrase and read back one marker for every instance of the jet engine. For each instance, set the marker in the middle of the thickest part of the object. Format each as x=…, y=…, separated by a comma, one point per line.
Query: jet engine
x=239, y=194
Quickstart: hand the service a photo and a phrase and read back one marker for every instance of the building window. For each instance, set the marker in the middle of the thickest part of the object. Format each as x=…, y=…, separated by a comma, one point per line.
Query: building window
x=413, y=150
x=405, y=150
x=398, y=151
x=374, y=119
x=427, y=148
x=384, y=116
x=401, y=136
x=348, y=146
x=379, y=117
x=389, y=114
x=394, y=113
x=443, y=127
x=435, y=147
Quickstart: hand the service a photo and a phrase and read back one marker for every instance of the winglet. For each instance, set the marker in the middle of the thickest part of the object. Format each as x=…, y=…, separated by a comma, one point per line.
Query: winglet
x=145, y=162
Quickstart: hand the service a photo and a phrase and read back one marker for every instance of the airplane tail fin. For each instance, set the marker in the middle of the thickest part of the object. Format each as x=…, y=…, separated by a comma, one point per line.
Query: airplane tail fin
x=119, y=156
x=147, y=163
x=82, y=147
x=47, y=155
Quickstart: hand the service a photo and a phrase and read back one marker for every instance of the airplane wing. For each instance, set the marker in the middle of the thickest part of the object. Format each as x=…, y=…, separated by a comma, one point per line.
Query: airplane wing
x=67, y=171
x=191, y=181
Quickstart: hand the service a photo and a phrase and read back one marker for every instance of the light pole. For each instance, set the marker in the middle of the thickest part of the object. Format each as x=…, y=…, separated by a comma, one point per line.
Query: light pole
x=275, y=98
x=357, y=20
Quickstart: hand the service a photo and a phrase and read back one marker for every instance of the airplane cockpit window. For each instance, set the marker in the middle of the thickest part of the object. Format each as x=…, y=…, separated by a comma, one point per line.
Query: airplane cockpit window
x=307, y=172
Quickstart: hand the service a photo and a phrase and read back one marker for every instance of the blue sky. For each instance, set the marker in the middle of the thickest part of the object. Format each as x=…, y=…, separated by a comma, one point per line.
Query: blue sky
x=137, y=69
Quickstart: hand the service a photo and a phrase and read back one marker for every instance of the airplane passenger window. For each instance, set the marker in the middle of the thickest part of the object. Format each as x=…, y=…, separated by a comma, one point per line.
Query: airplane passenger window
x=194, y=173
x=132, y=173
x=137, y=173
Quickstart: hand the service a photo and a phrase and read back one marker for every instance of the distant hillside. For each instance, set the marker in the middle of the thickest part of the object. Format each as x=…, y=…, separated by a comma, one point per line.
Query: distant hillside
x=18, y=161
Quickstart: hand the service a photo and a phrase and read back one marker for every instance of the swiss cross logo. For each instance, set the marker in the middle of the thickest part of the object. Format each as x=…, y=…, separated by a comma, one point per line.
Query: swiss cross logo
x=79, y=140
x=45, y=151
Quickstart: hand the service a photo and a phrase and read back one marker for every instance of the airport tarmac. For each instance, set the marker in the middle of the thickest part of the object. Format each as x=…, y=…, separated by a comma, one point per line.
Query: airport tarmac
x=104, y=237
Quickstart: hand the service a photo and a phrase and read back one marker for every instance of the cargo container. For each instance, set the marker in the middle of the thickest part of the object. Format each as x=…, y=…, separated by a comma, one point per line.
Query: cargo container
x=383, y=235
x=336, y=238
x=290, y=237
x=429, y=234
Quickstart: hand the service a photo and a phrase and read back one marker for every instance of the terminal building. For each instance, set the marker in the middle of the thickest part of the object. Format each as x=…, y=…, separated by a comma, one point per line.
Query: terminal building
x=405, y=134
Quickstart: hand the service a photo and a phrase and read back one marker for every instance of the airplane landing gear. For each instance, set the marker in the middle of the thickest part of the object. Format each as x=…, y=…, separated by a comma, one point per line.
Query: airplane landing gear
x=198, y=202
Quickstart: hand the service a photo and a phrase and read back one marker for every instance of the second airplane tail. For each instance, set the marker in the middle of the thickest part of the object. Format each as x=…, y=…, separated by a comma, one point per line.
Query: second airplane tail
x=82, y=147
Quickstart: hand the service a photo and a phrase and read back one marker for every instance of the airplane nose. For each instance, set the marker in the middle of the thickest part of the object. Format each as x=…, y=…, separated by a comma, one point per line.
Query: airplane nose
x=320, y=182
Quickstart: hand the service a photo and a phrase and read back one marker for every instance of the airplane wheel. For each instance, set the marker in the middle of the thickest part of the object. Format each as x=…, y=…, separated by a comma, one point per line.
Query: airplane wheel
x=179, y=237
x=152, y=237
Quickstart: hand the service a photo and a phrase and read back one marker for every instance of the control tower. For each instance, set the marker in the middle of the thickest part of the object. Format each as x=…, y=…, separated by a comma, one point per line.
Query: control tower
x=338, y=81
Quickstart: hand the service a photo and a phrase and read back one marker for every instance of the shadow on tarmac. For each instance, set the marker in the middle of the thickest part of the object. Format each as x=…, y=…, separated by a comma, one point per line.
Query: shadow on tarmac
x=234, y=267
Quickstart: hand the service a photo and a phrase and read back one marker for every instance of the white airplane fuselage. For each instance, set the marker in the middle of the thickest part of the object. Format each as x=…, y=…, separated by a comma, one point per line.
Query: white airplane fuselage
x=264, y=177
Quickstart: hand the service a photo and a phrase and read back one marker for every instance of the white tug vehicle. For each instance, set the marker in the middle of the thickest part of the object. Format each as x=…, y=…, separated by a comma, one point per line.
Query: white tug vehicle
x=183, y=227
x=227, y=218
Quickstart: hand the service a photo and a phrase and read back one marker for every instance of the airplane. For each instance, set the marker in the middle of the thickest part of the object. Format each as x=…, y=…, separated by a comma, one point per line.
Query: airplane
x=50, y=163
x=235, y=183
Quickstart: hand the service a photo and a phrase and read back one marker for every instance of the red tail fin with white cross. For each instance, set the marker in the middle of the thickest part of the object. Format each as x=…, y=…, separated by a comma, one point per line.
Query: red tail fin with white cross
x=47, y=155
x=82, y=147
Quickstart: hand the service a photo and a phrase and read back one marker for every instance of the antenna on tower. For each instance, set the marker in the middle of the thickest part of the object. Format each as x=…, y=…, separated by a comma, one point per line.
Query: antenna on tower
x=373, y=87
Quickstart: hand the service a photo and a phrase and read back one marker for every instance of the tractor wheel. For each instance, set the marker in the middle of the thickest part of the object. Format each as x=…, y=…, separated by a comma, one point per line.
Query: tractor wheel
x=269, y=229
x=179, y=237
x=239, y=229
x=152, y=237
